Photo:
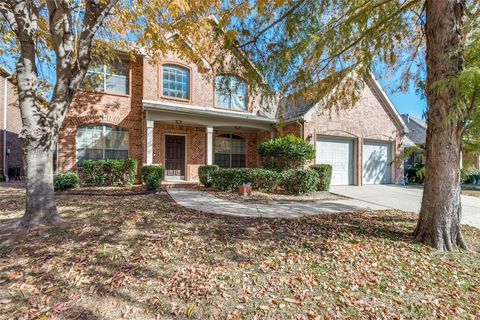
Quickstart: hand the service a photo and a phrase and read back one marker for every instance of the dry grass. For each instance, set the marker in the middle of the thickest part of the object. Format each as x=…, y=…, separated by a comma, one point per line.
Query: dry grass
x=471, y=190
x=259, y=197
x=143, y=257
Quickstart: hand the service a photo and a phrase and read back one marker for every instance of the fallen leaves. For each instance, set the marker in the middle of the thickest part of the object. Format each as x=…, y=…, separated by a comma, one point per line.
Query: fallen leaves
x=144, y=257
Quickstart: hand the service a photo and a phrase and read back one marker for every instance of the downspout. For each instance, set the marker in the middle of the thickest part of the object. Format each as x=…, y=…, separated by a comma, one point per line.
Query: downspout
x=5, y=102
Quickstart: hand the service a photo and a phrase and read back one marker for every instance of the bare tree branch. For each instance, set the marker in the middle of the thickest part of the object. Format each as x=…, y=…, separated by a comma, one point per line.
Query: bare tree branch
x=274, y=23
x=8, y=14
x=95, y=14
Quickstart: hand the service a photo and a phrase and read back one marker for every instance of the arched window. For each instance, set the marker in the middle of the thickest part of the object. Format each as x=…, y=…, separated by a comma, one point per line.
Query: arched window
x=176, y=81
x=230, y=93
x=230, y=151
x=101, y=142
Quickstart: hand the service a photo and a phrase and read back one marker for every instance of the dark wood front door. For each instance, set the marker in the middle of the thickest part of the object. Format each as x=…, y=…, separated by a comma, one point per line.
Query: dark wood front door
x=175, y=156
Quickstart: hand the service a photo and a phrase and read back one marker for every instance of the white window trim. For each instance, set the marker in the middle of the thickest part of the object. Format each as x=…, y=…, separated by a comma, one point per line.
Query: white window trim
x=102, y=140
x=230, y=149
x=230, y=94
x=104, y=75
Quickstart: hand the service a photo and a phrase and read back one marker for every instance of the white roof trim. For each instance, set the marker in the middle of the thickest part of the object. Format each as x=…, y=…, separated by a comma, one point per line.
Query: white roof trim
x=388, y=102
x=189, y=109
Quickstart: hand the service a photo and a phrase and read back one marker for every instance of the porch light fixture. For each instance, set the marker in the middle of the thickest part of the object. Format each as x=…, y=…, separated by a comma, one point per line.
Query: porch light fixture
x=309, y=137
x=178, y=121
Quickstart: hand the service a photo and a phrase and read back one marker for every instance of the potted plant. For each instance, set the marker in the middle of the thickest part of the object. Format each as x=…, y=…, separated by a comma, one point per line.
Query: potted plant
x=245, y=190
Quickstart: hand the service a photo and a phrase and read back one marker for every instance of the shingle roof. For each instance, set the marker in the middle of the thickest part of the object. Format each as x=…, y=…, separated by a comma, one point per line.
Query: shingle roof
x=417, y=129
x=299, y=103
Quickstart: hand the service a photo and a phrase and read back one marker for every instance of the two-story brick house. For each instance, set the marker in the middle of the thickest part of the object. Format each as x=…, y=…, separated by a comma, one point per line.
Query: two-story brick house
x=172, y=114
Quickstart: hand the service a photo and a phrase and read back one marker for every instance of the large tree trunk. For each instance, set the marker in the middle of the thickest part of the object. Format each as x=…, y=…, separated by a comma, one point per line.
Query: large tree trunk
x=40, y=205
x=440, y=215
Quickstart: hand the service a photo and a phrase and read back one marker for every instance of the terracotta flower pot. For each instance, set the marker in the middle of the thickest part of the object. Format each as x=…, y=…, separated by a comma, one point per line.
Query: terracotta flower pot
x=245, y=191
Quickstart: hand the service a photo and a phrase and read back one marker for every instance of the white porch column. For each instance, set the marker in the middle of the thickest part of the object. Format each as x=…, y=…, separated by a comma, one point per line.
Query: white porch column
x=209, y=145
x=150, y=125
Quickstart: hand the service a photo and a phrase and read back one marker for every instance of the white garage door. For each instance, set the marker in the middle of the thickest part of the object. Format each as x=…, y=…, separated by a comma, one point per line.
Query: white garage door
x=338, y=153
x=376, y=162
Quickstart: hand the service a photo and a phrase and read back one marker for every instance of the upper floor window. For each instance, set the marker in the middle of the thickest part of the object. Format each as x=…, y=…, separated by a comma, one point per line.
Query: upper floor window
x=101, y=142
x=110, y=78
x=230, y=93
x=176, y=82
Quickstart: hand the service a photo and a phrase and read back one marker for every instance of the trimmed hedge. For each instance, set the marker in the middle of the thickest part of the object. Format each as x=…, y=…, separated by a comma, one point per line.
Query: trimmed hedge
x=265, y=180
x=206, y=174
x=298, y=181
x=66, y=180
x=324, y=172
x=231, y=179
x=110, y=172
x=152, y=176
x=284, y=153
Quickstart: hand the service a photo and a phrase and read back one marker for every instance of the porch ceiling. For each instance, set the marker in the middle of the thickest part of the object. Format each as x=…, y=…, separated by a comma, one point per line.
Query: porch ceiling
x=201, y=116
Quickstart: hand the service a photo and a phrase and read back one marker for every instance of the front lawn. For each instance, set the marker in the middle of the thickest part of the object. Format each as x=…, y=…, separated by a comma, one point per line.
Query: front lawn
x=140, y=256
x=471, y=190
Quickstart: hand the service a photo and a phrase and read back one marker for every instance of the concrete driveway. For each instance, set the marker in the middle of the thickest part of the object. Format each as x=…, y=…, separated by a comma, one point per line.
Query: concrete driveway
x=405, y=198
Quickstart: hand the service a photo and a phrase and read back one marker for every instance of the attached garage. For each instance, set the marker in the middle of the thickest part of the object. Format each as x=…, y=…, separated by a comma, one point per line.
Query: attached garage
x=377, y=156
x=339, y=153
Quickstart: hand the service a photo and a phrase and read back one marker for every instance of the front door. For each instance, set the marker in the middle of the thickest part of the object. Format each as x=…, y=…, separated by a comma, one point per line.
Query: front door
x=175, y=157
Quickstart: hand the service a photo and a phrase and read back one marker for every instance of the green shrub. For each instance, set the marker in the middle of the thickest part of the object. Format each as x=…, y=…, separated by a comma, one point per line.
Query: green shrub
x=469, y=174
x=265, y=180
x=2, y=177
x=110, y=172
x=283, y=153
x=324, y=172
x=416, y=174
x=206, y=173
x=65, y=180
x=152, y=176
x=298, y=181
x=231, y=179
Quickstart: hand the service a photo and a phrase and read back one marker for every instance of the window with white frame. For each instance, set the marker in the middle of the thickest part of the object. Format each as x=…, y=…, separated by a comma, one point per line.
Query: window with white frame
x=230, y=151
x=176, y=81
x=230, y=93
x=110, y=78
x=101, y=142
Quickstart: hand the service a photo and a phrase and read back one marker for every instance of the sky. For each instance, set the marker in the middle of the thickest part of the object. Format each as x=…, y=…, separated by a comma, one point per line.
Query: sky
x=405, y=102
x=409, y=102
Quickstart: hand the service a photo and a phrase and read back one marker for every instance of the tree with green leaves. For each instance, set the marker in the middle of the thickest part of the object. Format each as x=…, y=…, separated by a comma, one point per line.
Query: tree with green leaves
x=54, y=43
x=295, y=44
x=306, y=41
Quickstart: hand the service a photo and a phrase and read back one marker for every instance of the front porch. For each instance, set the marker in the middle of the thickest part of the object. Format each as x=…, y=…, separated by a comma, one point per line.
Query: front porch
x=185, y=138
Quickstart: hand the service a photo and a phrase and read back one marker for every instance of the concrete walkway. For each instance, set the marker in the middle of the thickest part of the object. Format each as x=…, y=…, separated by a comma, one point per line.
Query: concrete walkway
x=405, y=198
x=204, y=201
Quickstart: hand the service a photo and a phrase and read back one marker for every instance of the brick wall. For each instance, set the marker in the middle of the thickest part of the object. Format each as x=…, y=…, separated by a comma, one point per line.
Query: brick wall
x=202, y=85
x=14, y=127
x=368, y=119
x=89, y=108
x=195, y=145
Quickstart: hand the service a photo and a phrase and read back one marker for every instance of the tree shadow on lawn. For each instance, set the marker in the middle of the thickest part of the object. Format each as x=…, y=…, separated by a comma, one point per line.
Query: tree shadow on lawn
x=119, y=242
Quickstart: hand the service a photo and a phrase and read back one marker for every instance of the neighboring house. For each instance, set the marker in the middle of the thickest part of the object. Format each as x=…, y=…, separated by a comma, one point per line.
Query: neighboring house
x=174, y=115
x=416, y=136
x=11, y=157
